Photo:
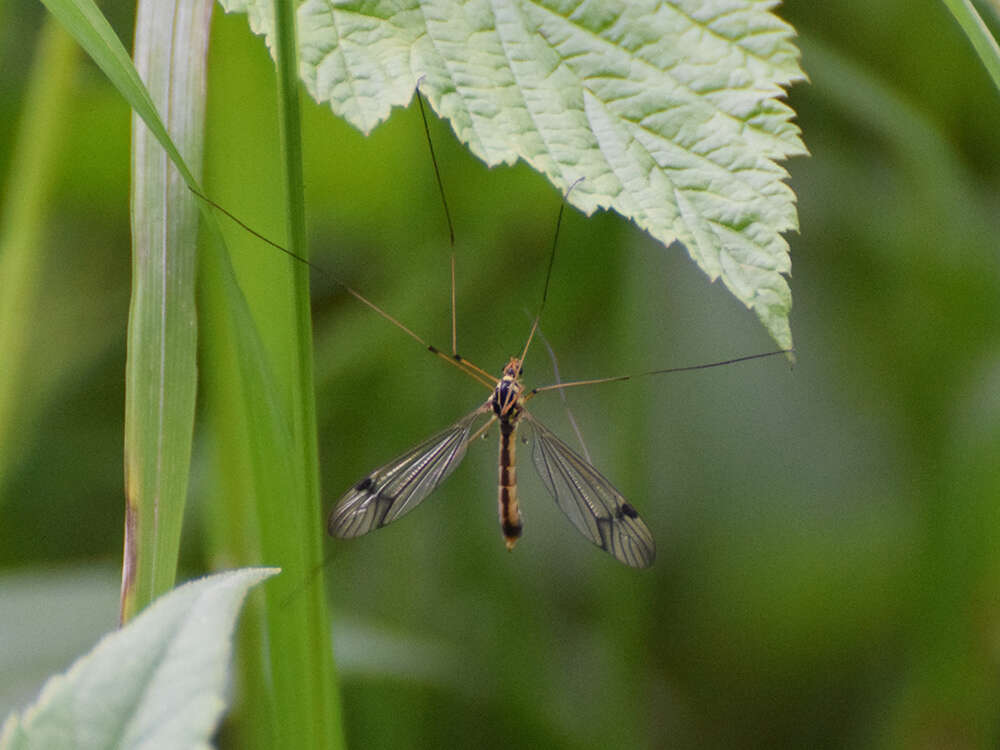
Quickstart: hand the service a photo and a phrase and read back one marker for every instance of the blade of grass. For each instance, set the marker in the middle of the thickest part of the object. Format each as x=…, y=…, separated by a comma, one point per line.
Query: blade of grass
x=279, y=521
x=301, y=657
x=170, y=50
x=84, y=22
x=247, y=393
x=979, y=34
x=277, y=475
x=241, y=121
x=22, y=218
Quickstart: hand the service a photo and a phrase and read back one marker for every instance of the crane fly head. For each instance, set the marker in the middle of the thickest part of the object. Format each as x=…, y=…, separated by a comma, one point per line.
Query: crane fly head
x=513, y=369
x=508, y=396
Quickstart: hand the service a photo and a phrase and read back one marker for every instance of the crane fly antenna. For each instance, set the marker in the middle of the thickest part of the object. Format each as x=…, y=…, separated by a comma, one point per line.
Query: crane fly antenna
x=475, y=372
x=548, y=272
x=447, y=216
x=688, y=368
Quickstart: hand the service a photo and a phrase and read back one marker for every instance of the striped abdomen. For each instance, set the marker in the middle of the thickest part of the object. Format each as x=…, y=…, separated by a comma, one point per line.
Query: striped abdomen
x=510, y=513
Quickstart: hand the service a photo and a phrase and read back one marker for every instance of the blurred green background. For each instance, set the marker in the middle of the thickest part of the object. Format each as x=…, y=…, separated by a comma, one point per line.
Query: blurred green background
x=828, y=535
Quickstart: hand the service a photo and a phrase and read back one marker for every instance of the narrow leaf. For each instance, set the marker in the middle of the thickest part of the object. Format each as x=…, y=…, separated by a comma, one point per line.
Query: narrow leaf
x=171, y=41
x=979, y=35
x=300, y=651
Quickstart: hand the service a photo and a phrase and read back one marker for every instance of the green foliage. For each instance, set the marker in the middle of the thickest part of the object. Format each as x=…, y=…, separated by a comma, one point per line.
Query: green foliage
x=160, y=372
x=828, y=536
x=158, y=682
x=979, y=35
x=273, y=416
x=670, y=114
x=22, y=219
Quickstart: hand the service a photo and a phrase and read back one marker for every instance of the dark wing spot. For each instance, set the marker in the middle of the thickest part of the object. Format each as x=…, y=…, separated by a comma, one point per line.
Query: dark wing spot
x=627, y=510
x=365, y=485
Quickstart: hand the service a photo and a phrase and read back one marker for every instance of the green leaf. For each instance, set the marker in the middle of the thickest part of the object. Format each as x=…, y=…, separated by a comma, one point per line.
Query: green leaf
x=158, y=682
x=671, y=112
x=161, y=369
x=171, y=48
x=979, y=34
x=281, y=479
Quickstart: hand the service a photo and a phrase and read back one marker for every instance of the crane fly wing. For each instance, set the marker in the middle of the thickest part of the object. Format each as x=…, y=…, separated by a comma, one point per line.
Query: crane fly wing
x=589, y=500
x=398, y=487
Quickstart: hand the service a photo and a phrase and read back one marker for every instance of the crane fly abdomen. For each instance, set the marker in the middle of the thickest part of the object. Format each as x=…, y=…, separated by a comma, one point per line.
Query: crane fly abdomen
x=509, y=510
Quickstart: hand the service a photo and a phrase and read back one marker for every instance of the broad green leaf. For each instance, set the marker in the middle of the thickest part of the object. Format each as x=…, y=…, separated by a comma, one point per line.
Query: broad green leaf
x=670, y=111
x=158, y=682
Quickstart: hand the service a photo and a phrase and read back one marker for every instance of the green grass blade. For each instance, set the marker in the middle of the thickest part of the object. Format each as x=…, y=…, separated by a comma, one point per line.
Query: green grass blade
x=269, y=414
x=22, y=217
x=979, y=34
x=265, y=512
x=261, y=411
x=161, y=372
x=301, y=657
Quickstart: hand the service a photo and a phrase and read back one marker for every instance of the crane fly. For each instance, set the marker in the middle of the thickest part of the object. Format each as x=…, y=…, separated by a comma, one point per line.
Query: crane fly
x=591, y=502
x=598, y=510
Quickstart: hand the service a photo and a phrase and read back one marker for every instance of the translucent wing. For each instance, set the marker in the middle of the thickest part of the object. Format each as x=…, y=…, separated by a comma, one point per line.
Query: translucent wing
x=398, y=487
x=589, y=500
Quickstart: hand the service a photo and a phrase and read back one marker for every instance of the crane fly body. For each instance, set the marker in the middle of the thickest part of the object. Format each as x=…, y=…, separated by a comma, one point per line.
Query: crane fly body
x=585, y=496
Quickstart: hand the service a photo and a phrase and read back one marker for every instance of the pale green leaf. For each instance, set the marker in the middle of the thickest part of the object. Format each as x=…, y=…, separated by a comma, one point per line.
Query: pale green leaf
x=158, y=682
x=670, y=111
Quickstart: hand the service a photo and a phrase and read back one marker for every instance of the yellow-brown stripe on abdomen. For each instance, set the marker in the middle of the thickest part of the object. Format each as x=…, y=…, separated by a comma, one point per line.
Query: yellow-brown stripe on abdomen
x=510, y=512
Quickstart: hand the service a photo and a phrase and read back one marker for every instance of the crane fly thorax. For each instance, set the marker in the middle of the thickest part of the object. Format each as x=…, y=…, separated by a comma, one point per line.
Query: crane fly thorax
x=508, y=396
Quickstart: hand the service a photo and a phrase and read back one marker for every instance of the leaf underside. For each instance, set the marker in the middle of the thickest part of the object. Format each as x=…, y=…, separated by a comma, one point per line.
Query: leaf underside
x=670, y=111
x=160, y=681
